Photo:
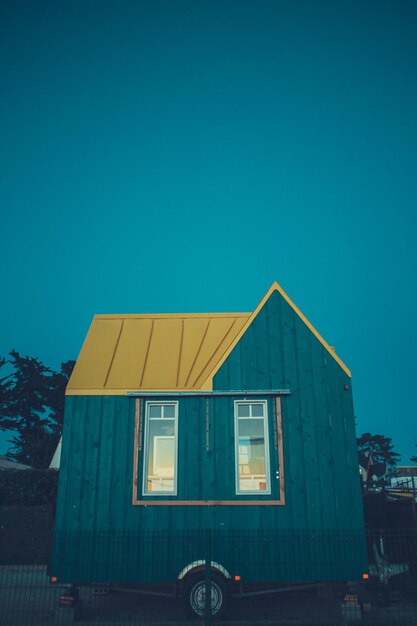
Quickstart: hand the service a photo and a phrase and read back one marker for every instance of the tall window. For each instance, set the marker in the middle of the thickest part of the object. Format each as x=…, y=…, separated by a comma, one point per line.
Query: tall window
x=252, y=447
x=161, y=449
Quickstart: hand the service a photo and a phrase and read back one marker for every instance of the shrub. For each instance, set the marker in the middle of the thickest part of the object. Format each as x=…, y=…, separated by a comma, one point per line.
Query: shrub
x=28, y=487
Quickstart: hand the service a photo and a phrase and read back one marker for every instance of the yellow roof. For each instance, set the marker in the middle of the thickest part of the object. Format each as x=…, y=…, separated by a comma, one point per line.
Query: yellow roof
x=178, y=352
x=154, y=352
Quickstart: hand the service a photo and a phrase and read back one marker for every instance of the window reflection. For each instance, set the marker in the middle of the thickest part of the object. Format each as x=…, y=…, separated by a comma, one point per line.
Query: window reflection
x=252, y=467
x=160, y=449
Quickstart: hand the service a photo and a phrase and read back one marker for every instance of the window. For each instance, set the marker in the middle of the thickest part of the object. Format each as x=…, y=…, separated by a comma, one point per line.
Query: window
x=252, y=448
x=161, y=449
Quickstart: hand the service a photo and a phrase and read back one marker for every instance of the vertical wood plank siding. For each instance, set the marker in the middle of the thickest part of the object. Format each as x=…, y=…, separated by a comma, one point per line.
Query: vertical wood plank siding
x=322, y=478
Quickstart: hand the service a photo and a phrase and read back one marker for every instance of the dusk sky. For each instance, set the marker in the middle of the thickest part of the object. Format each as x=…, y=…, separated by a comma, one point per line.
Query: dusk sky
x=180, y=156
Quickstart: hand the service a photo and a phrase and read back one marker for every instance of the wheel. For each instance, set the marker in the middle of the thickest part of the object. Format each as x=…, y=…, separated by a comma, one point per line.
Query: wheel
x=194, y=596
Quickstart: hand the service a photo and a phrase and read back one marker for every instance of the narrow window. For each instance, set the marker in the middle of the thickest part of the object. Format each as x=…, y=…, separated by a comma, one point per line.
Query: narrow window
x=161, y=448
x=252, y=448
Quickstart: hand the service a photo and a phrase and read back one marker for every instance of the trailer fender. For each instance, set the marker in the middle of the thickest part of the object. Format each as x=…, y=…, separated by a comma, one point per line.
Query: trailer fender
x=199, y=565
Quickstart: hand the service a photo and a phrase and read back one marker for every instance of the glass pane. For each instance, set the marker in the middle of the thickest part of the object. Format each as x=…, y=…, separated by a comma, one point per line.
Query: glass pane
x=169, y=410
x=155, y=410
x=243, y=410
x=251, y=455
x=161, y=456
x=257, y=410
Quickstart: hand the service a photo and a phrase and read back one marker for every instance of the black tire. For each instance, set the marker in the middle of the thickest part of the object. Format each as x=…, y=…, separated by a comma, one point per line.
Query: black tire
x=194, y=592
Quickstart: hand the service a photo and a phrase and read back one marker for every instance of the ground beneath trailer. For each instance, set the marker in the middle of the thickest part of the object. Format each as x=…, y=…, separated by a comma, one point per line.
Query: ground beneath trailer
x=27, y=598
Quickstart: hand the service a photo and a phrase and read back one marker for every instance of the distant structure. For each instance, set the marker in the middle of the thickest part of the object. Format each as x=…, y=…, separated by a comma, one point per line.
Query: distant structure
x=373, y=474
x=6, y=463
x=404, y=481
x=56, y=459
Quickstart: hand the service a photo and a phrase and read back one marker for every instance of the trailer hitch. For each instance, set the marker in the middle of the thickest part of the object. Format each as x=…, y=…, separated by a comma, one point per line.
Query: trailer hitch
x=382, y=568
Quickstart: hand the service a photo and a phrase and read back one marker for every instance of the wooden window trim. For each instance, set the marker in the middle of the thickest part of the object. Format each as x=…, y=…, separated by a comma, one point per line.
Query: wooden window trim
x=265, y=424
x=149, y=502
x=146, y=452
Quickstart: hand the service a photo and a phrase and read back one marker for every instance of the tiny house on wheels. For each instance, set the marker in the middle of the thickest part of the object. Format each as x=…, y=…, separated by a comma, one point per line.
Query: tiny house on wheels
x=218, y=444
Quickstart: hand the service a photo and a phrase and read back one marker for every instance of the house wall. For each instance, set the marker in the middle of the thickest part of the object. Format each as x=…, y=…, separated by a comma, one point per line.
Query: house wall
x=101, y=536
x=96, y=481
x=320, y=454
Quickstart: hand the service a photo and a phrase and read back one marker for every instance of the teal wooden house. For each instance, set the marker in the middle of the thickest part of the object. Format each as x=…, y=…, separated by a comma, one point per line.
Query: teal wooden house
x=240, y=423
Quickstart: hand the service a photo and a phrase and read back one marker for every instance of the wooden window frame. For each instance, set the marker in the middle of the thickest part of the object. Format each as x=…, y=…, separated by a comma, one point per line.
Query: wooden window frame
x=146, y=447
x=264, y=418
x=146, y=501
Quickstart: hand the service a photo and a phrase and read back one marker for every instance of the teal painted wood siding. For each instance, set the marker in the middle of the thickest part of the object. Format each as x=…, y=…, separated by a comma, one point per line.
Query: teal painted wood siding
x=95, y=490
x=320, y=455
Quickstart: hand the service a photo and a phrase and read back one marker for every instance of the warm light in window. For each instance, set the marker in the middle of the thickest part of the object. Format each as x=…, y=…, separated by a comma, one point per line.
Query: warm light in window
x=252, y=447
x=161, y=444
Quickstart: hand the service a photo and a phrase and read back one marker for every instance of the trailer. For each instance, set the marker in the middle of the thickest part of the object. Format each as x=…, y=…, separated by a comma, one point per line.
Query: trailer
x=209, y=452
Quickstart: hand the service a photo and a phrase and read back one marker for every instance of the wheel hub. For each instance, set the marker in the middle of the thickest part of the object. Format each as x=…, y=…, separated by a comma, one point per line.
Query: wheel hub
x=198, y=597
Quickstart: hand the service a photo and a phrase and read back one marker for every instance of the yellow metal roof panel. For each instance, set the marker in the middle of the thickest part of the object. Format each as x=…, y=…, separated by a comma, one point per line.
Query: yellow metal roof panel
x=92, y=367
x=154, y=352
x=130, y=353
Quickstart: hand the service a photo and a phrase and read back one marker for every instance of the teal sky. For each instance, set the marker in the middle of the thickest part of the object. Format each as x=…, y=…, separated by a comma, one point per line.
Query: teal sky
x=179, y=156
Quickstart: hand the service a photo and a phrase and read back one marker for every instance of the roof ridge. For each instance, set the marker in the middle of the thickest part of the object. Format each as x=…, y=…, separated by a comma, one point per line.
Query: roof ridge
x=274, y=287
x=107, y=316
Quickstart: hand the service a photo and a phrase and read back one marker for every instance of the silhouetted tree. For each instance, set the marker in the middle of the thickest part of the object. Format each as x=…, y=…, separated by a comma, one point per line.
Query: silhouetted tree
x=414, y=458
x=56, y=400
x=381, y=448
x=5, y=392
x=35, y=400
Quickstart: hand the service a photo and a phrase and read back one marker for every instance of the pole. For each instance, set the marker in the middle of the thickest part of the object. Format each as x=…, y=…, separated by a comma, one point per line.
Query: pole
x=207, y=607
x=413, y=500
